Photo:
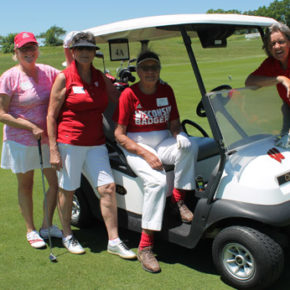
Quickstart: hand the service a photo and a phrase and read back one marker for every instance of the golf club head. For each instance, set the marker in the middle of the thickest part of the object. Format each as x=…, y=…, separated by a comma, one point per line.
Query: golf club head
x=52, y=258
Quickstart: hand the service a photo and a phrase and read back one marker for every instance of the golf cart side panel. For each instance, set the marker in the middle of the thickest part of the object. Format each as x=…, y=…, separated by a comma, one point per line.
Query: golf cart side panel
x=252, y=175
x=272, y=215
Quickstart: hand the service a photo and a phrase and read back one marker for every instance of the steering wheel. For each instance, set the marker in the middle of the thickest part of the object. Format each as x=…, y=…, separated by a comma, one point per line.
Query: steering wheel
x=200, y=109
x=199, y=128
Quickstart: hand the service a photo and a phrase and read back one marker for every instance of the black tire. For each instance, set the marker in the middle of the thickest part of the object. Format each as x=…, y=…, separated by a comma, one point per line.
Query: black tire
x=81, y=216
x=246, y=258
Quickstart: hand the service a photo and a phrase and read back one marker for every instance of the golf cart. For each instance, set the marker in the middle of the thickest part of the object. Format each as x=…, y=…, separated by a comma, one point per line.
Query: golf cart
x=245, y=166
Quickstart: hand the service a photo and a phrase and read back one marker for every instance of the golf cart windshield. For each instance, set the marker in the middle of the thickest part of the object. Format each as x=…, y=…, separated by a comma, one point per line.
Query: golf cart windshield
x=247, y=115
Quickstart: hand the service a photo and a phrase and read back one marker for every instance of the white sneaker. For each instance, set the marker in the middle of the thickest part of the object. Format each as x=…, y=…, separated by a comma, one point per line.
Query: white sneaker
x=54, y=231
x=73, y=245
x=121, y=250
x=35, y=240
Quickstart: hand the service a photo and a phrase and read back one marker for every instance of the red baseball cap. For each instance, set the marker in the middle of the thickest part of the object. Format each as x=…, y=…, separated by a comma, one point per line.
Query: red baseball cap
x=23, y=38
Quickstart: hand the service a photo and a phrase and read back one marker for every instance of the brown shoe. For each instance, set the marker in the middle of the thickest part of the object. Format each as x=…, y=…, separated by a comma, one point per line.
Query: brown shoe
x=148, y=260
x=185, y=214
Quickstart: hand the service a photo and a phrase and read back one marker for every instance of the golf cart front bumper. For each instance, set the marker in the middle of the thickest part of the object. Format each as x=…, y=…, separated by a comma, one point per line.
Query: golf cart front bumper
x=273, y=215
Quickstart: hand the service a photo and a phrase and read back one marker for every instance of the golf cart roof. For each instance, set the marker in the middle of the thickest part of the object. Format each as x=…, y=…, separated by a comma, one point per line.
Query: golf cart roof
x=165, y=26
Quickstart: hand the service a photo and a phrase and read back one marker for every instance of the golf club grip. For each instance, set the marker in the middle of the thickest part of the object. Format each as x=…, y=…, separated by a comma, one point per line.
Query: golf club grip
x=39, y=150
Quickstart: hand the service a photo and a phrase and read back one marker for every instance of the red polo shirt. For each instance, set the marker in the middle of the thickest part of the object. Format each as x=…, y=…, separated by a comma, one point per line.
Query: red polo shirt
x=80, y=118
x=145, y=113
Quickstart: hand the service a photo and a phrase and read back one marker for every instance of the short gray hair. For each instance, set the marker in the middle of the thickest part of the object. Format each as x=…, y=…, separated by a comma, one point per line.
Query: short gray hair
x=276, y=27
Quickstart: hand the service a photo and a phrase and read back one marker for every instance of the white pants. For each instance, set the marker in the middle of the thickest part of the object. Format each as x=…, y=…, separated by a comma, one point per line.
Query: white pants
x=155, y=185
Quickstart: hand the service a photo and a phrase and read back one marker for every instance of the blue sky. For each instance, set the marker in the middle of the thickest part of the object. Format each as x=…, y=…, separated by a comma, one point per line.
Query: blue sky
x=37, y=15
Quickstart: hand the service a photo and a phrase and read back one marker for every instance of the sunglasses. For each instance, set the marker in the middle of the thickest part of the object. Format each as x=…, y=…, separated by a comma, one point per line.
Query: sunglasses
x=27, y=48
x=81, y=48
x=147, y=68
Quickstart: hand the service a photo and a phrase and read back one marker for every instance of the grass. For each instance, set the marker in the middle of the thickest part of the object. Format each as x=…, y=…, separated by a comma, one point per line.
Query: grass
x=22, y=267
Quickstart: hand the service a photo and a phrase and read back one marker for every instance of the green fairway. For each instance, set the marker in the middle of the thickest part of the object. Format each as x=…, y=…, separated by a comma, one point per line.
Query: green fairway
x=23, y=267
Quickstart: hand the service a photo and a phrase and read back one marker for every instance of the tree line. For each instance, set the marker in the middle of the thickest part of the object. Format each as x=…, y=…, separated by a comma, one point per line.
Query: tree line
x=52, y=37
x=279, y=10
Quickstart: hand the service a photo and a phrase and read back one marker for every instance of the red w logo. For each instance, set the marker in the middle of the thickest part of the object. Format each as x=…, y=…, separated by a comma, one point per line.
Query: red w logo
x=275, y=154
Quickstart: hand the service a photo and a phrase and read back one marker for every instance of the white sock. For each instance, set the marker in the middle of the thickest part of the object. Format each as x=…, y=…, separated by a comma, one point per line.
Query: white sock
x=114, y=242
x=67, y=238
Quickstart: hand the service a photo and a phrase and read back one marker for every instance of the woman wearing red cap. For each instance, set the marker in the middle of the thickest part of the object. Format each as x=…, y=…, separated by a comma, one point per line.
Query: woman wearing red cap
x=150, y=133
x=24, y=95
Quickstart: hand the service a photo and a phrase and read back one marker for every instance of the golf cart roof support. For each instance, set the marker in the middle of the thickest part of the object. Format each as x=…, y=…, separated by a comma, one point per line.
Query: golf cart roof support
x=144, y=45
x=187, y=43
x=218, y=171
x=213, y=185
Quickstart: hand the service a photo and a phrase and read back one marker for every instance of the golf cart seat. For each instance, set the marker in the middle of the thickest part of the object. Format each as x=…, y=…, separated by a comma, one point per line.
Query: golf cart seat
x=207, y=147
x=117, y=158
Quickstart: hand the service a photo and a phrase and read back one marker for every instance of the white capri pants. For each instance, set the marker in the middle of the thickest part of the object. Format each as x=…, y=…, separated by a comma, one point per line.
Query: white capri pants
x=92, y=160
x=155, y=185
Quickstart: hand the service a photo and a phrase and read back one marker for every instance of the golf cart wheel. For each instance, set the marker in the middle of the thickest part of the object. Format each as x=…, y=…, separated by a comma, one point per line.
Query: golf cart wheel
x=246, y=258
x=81, y=216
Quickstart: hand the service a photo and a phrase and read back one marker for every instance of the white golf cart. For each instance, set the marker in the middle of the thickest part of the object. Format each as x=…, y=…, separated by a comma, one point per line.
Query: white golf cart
x=245, y=207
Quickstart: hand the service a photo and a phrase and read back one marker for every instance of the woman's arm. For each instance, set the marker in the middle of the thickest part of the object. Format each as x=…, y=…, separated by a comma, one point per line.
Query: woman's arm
x=11, y=121
x=263, y=81
x=133, y=147
x=175, y=127
x=57, y=97
x=260, y=81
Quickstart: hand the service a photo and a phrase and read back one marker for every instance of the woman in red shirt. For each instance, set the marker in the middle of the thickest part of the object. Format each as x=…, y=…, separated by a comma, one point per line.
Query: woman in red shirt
x=275, y=70
x=149, y=131
x=78, y=98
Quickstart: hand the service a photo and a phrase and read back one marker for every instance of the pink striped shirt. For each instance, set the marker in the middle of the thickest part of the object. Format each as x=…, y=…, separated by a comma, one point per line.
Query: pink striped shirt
x=28, y=100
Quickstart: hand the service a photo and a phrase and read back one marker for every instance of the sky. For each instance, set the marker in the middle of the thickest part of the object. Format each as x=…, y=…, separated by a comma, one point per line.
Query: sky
x=38, y=16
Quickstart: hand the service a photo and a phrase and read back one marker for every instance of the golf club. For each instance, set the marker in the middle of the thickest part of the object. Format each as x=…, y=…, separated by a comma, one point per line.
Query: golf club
x=52, y=257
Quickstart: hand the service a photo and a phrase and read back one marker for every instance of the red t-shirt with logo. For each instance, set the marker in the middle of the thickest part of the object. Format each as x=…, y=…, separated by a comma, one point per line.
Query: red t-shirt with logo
x=145, y=113
x=271, y=67
x=80, y=121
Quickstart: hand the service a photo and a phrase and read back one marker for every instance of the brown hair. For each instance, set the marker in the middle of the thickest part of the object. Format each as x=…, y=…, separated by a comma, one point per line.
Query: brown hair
x=276, y=27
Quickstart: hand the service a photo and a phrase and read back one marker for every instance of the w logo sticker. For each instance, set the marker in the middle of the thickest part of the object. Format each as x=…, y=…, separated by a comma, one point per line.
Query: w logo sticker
x=275, y=154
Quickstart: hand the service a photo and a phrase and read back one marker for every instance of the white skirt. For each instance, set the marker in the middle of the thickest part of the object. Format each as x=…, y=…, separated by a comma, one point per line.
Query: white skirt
x=21, y=158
